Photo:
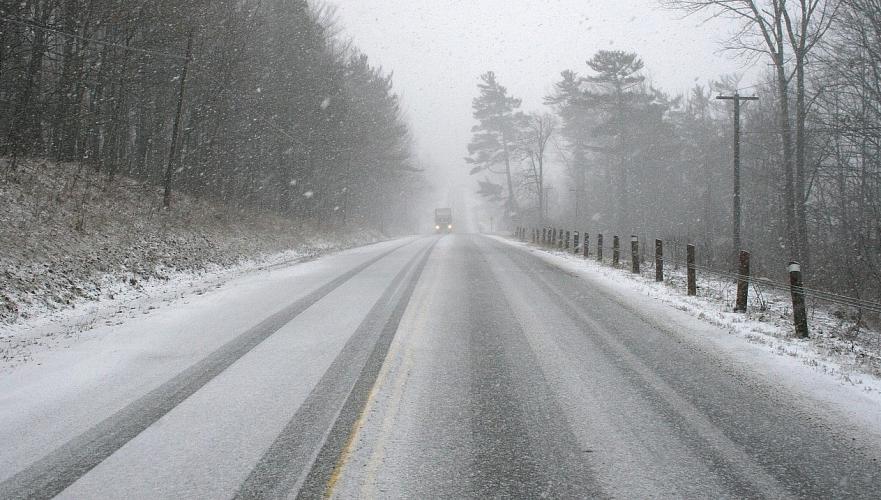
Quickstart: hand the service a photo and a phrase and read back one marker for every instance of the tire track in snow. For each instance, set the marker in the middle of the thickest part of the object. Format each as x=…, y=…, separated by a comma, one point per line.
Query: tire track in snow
x=304, y=457
x=50, y=475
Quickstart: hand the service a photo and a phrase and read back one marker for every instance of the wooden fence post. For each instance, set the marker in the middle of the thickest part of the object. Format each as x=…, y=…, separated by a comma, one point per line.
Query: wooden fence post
x=585, y=247
x=575, y=241
x=692, y=279
x=799, y=313
x=568, y=237
x=659, y=260
x=634, y=253
x=742, y=282
x=616, y=250
x=600, y=248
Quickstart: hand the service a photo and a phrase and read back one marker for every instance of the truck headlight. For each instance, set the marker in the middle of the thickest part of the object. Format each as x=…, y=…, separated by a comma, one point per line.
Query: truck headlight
x=449, y=226
x=437, y=227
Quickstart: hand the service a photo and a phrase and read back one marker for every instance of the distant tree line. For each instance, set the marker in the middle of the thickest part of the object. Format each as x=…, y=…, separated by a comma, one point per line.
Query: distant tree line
x=276, y=112
x=640, y=161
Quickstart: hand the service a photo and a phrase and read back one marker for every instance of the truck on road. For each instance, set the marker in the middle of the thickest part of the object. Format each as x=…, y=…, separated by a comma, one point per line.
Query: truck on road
x=443, y=220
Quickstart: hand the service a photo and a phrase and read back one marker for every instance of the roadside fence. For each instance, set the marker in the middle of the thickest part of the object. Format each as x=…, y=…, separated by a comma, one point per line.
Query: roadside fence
x=555, y=238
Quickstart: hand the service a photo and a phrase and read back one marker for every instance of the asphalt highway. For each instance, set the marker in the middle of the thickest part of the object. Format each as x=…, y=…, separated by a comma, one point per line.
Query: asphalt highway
x=453, y=366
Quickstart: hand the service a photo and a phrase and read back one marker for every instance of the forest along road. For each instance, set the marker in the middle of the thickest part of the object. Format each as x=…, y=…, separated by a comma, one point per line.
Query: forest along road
x=453, y=366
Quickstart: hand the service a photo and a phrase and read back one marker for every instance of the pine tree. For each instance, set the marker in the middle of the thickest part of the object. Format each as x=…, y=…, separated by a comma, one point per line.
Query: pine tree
x=493, y=141
x=567, y=100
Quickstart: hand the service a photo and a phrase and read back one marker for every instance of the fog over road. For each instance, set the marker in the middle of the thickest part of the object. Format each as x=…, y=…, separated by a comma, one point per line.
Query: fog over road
x=436, y=366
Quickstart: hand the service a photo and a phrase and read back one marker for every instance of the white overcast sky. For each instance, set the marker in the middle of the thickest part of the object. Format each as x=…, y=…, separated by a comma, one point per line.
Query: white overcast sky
x=438, y=48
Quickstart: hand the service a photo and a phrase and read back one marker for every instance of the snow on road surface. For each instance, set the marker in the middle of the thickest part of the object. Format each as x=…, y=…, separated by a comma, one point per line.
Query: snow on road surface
x=67, y=391
x=41, y=328
x=768, y=345
x=459, y=366
x=511, y=376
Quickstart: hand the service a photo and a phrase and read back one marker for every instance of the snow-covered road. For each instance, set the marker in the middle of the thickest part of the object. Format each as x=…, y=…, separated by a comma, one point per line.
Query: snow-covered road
x=454, y=366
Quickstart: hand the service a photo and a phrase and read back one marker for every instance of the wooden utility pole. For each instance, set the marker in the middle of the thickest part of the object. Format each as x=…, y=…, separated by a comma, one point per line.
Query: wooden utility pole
x=169, y=168
x=736, y=229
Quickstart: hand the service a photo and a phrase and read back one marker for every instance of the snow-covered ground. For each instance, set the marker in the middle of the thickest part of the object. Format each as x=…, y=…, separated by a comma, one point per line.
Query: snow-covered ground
x=648, y=410
x=66, y=236
x=78, y=380
x=836, y=348
x=77, y=253
x=117, y=302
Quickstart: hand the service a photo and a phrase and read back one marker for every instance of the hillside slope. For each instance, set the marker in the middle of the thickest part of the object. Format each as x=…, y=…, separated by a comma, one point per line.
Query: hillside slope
x=67, y=237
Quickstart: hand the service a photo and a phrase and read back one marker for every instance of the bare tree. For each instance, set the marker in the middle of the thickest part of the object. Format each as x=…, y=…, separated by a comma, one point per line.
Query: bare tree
x=537, y=133
x=805, y=27
x=279, y=113
x=846, y=181
x=786, y=32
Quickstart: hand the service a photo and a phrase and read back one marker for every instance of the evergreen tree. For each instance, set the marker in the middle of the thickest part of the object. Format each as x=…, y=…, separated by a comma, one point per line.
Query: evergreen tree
x=494, y=137
x=568, y=101
x=615, y=91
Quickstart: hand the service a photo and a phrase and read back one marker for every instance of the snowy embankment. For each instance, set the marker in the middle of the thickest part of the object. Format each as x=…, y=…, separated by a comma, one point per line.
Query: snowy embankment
x=76, y=253
x=839, y=348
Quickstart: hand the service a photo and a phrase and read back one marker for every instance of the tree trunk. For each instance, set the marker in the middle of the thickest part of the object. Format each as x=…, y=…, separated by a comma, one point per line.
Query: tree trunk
x=800, y=153
x=25, y=133
x=169, y=168
x=511, y=205
x=63, y=141
x=786, y=138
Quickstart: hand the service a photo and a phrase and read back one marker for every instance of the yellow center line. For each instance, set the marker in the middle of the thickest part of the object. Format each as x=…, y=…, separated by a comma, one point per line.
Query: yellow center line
x=394, y=360
x=369, y=482
x=354, y=433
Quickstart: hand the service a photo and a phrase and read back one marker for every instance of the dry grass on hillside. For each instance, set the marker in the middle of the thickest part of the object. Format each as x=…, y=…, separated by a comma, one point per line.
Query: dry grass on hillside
x=65, y=233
